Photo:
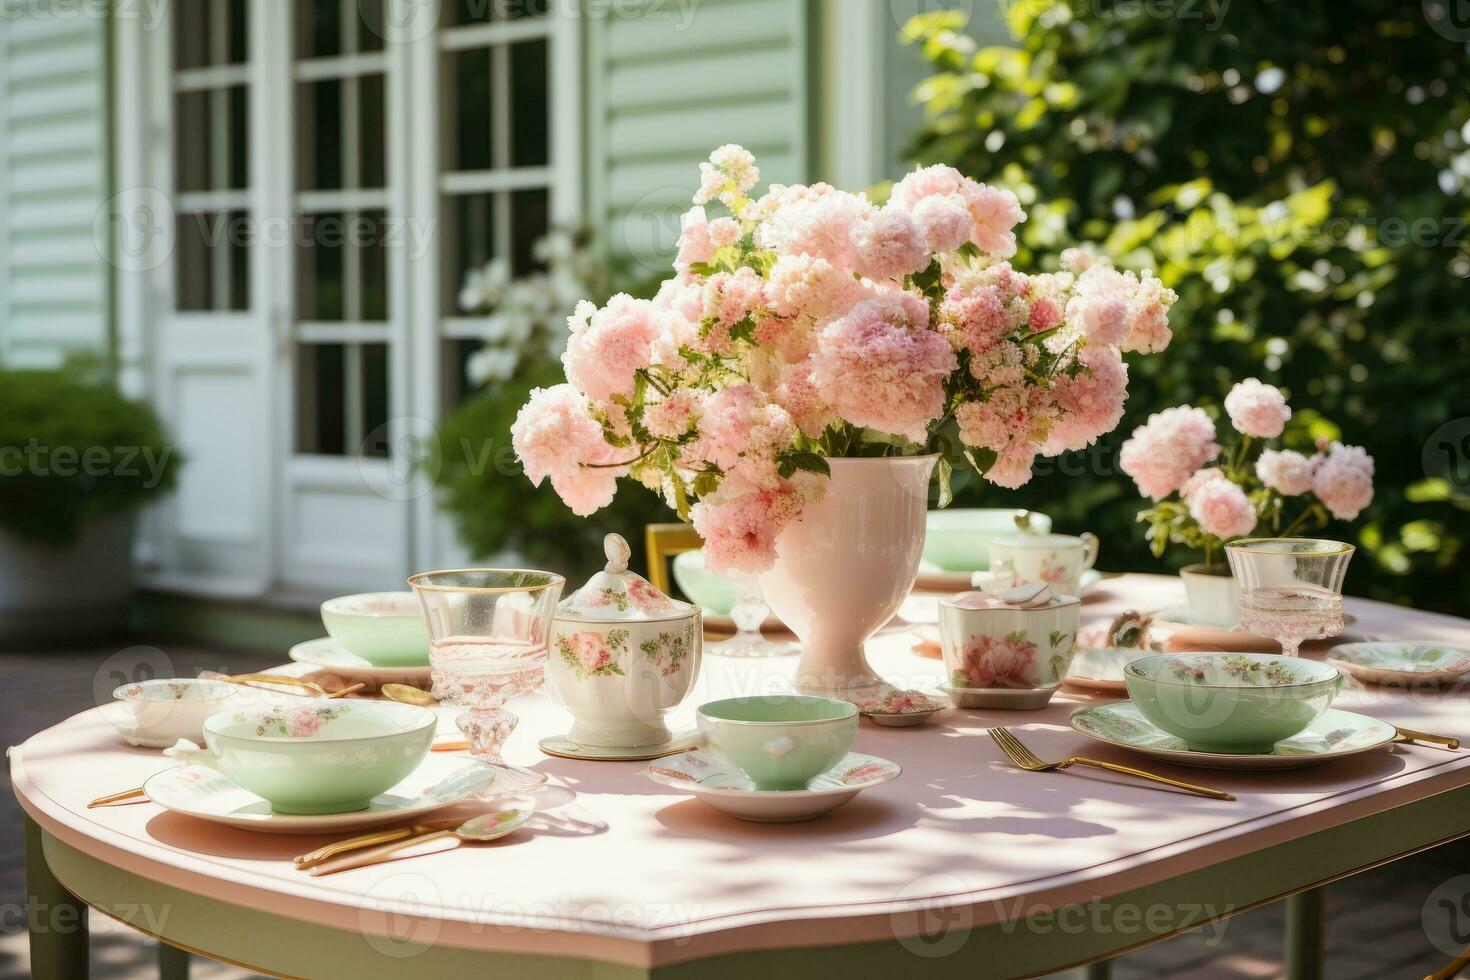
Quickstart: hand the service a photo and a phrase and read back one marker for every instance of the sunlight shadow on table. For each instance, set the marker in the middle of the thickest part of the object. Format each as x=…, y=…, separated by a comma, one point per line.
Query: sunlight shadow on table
x=862, y=819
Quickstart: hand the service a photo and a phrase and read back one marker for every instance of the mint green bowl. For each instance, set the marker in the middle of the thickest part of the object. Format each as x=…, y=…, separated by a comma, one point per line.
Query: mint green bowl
x=320, y=756
x=712, y=591
x=384, y=628
x=957, y=539
x=1231, y=702
x=781, y=741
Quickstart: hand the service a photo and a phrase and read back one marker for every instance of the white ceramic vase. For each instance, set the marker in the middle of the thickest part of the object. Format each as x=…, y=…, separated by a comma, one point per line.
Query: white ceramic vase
x=844, y=567
x=1211, y=595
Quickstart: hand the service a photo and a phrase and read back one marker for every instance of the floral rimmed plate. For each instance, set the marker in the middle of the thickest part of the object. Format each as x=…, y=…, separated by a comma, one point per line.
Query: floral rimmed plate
x=1402, y=663
x=1333, y=735
x=1202, y=633
x=900, y=709
x=329, y=655
x=728, y=789
x=1101, y=669
x=202, y=792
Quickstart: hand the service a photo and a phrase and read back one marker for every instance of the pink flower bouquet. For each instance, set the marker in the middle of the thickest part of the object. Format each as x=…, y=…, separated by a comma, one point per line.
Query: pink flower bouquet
x=1206, y=494
x=810, y=323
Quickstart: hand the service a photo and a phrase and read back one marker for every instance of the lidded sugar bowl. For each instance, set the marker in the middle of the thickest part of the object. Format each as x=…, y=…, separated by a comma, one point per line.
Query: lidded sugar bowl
x=622, y=655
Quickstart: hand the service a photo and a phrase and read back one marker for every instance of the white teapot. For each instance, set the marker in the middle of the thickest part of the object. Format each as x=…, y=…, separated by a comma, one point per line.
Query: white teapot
x=623, y=655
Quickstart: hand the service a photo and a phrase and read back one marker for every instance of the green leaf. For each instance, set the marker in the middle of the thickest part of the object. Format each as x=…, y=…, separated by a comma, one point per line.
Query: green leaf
x=946, y=492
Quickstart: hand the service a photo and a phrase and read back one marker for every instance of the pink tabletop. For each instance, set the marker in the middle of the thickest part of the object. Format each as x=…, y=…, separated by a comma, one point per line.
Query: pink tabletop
x=634, y=873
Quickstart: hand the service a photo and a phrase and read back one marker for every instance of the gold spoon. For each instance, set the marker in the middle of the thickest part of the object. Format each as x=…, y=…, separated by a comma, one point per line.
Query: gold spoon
x=485, y=827
x=407, y=694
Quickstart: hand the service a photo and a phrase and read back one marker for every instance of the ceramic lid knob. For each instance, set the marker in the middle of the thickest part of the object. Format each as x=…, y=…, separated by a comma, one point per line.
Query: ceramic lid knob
x=618, y=553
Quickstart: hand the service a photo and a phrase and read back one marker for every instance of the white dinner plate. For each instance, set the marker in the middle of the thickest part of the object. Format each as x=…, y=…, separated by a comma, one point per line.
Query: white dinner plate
x=205, y=793
x=729, y=790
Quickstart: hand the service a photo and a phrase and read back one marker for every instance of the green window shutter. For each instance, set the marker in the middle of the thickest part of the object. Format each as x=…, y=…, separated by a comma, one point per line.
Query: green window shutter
x=668, y=82
x=54, y=281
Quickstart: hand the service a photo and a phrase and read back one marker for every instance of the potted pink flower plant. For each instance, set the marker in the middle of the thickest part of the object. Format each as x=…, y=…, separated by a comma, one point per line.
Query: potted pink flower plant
x=1206, y=493
x=813, y=359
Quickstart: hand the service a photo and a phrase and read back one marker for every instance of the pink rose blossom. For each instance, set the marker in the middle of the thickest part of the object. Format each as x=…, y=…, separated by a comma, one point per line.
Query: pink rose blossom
x=590, y=650
x=1099, y=305
x=1221, y=508
x=989, y=661
x=1207, y=475
x=608, y=346
x=976, y=317
x=1257, y=409
x=1148, y=318
x=1163, y=453
x=1343, y=480
x=887, y=246
x=944, y=221
x=724, y=231
x=1285, y=471
x=880, y=366
x=816, y=220
x=674, y=416
x=303, y=723
x=939, y=180
x=1045, y=314
x=804, y=285
x=996, y=213
x=554, y=435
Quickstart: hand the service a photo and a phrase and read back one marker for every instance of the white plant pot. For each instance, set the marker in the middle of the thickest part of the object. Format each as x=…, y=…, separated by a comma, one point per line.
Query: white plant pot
x=1211, y=596
x=844, y=567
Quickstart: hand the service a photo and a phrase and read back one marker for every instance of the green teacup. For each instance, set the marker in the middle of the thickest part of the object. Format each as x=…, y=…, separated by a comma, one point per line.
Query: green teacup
x=320, y=756
x=780, y=741
x=384, y=628
x=1231, y=702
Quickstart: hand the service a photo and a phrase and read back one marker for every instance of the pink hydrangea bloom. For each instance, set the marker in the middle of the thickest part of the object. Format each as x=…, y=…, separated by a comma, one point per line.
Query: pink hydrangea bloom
x=1285, y=471
x=816, y=220
x=939, y=180
x=944, y=221
x=674, y=415
x=1099, y=305
x=724, y=231
x=1221, y=508
x=996, y=213
x=976, y=317
x=608, y=346
x=1343, y=480
x=729, y=297
x=740, y=531
x=797, y=393
x=1148, y=323
x=731, y=170
x=1257, y=409
x=880, y=365
x=804, y=285
x=694, y=239
x=554, y=434
x=888, y=245
x=1091, y=403
x=1012, y=468
x=1165, y=452
x=1045, y=314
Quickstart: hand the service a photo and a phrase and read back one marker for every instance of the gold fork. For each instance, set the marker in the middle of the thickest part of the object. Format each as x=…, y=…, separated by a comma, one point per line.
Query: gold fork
x=1024, y=759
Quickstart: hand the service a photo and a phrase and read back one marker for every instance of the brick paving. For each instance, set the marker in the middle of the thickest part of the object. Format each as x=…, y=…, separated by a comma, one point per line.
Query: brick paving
x=1373, y=920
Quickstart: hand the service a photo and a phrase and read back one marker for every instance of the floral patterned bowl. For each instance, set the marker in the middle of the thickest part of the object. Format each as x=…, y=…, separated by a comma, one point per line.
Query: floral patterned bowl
x=1231, y=702
x=319, y=756
x=384, y=628
x=1000, y=655
x=157, y=713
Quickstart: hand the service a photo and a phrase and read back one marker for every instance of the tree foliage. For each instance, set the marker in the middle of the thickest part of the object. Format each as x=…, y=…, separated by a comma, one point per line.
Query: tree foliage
x=1298, y=171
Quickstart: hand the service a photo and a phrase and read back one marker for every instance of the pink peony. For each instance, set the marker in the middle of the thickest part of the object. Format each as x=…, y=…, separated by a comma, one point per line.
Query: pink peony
x=975, y=318
x=739, y=532
x=724, y=231
x=1091, y=403
x=996, y=213
x=1343, y=480
x=554, y=435
x=887, y=246
x=1207, y=475
x=1164, y=452
x=1221, y=508
x=816, y=220
x=798, y=394
x=944, y=221
x=1148, y=317
x=674, y=416
x=1285, y=471
x=880, y=365
x=1257, y=409
x=694, y=239
x=742, y=432
x=590, y=650
x=1012, y=468
x=939, y=180
x=1099, y=305
x=608, y=346
x=730, y=297
x=988, y=661
x=1045, y=314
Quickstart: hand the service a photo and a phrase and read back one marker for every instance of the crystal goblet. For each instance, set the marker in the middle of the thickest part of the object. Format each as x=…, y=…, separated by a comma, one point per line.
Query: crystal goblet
x=489, y=629
x=748, y=612
x=1290, y=589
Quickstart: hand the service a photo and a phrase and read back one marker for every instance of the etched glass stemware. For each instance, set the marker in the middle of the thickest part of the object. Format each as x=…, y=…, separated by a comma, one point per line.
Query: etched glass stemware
x=1290, y=589
x=489, y=629
x=749, y=612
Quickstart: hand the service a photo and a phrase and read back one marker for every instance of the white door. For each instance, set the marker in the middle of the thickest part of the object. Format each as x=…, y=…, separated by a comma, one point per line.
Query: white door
x=334, y=167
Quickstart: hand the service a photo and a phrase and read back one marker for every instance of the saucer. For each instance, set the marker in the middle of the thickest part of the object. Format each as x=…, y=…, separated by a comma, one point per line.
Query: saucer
x=1333, y=735
x=882, y=711
x=938, y=580
x=331, y=657
x=1101, y=669
x=205, y=793
x=1401, y=663
x=560, y=745
x=728, y=790
x=1029, y=699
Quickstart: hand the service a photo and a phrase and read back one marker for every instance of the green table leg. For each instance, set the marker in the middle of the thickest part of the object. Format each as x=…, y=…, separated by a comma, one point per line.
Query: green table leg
x=173, y=963
x=1305, y=926
x=57, y=922
x=1101, y=970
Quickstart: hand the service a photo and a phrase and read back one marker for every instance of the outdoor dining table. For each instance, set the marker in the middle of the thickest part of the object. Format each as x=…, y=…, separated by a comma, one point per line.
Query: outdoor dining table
x=964, y=866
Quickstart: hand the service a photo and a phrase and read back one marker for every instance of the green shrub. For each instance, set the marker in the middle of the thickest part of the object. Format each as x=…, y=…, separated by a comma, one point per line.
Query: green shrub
x=1297, y=170
x=73, y=449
